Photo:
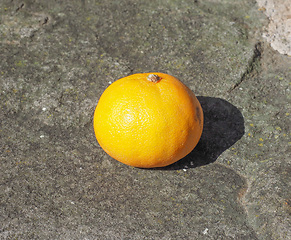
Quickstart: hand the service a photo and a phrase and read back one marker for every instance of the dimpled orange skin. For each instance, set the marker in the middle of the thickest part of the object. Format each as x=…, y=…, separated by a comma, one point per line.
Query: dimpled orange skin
x=148, y=124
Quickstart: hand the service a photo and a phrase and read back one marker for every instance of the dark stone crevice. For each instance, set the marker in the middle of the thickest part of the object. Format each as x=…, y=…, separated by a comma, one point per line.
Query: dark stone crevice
x=252, y=67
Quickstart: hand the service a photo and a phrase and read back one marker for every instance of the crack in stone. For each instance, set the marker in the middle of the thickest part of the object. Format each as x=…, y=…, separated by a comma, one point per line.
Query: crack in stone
x=252, y=66
x=241, y=196
x=20, y=7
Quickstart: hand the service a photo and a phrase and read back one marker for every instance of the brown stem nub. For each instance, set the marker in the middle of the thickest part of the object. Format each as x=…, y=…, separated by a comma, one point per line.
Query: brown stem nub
x=153, y=78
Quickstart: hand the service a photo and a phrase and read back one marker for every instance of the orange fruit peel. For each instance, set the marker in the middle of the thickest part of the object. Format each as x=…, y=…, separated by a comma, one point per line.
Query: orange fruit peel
x=148, y=120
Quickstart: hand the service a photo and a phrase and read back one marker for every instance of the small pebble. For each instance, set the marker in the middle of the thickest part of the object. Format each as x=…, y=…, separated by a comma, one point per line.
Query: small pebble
x=205, y=231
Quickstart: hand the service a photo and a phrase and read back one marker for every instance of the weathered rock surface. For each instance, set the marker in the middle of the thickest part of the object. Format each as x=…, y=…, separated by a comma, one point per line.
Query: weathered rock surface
x=278, y=32
x=57, y=57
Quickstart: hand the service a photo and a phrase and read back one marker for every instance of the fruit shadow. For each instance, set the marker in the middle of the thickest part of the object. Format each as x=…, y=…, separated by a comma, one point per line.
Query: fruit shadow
x=223, y=126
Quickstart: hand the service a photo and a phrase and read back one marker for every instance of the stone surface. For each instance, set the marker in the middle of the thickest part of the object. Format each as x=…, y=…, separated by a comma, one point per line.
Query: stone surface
x=278, y=32
x=57, y=57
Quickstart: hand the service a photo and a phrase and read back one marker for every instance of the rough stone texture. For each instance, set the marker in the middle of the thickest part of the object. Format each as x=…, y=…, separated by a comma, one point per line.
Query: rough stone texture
x=278, y=32
x=57, y=57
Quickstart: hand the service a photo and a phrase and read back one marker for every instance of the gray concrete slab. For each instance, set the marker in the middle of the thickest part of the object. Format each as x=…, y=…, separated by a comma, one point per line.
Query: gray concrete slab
x=57, y=57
